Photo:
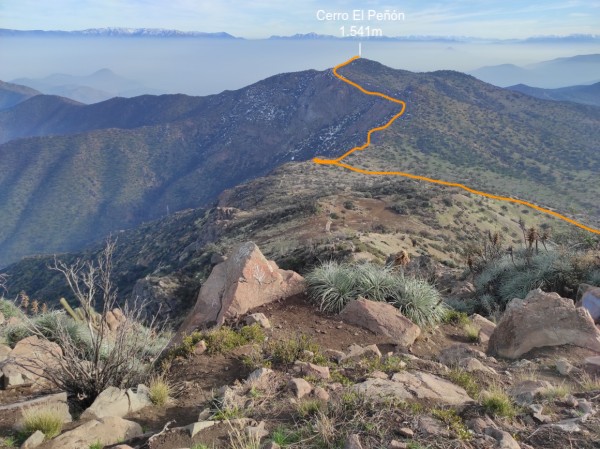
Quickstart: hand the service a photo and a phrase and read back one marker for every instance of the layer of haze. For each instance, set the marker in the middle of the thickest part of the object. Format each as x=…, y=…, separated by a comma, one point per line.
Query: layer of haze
x=208, y=66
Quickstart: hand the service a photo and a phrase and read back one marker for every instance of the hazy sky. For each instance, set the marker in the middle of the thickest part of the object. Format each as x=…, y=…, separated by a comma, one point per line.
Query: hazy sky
x=263, y=18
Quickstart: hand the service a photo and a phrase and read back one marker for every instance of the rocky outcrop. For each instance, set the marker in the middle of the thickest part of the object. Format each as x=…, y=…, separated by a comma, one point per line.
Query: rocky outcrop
x=109, y=430
x=27, y=362
x=382, y=319
x=542, y=319
x=244, y=281
x=414, y=385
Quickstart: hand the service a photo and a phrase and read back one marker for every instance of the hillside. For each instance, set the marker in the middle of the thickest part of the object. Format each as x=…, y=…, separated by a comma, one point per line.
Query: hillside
x=456, y=128
x=12, y=94
x=589, y=95
x=286, y=213
x=80, y=187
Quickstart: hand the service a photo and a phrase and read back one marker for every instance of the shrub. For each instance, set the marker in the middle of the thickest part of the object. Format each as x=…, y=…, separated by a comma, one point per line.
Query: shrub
x=48, y=420
x=332, y=285
x=286, y=352
x=498, y=403
x=224, y=339
x=160, y=390
x=96, y=445
x=420, y=302
x=465, y=380
x=9, y=309
x=94, y=356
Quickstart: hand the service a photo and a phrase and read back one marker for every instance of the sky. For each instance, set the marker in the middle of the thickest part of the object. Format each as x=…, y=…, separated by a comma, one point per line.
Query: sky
x=257, y=19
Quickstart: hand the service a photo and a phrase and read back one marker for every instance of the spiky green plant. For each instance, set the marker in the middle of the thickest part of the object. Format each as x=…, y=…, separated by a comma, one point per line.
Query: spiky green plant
x=332, y=285
x=420, y=302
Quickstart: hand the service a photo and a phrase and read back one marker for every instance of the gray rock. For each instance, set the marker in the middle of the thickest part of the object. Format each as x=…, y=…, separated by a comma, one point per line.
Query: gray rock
x=395, y=444
x=258, y=431
x=432, y=427
x=592, y=365
x=563, y=366
x=259, y=374
x=111, y=402
x=310, y=369
x=452, y=355
x=504, y=440
x=4, y=352
x=357, y=352
x=321, y=393
x=590, y=300
x=197, y=427
x=406, y=432
x=300, y=387
x=108, y=430
x=139, y=398
x=34, y=440
x=259, y=318
x=419, y=385
x=471, y=364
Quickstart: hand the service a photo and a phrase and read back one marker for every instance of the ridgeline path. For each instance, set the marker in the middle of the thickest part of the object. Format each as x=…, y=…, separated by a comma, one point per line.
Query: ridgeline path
x=338, y=161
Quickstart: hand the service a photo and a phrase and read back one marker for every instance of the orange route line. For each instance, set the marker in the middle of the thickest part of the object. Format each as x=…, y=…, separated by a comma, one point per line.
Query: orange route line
x=339, y=163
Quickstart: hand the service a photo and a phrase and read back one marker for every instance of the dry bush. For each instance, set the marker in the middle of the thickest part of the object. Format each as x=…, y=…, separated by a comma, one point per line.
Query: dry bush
x=99, y=357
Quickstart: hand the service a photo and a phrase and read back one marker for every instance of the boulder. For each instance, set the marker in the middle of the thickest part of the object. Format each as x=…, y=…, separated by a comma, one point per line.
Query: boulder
x=542, y=319
x=246, y=280
x=504, y=440
x=108, y=430
x=4, y=352
x=357, y=352
x=381, y=318
x=452, y=355
x=29, y=360
x=111, y=402
x=310, y=369
x=590, y=300
x=525, y=392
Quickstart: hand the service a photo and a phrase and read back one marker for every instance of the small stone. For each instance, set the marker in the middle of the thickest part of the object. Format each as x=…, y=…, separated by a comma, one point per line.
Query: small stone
x=259, y=318
x=570, y=401
x=200, y=347
x=321, y=393
x=300, y=387
x=563, y=366
x=258, y=374
x=406, y=432
x=336, y=356
x=592, y=365
x=504, y=440
x=34, y=440
x=204, y=414
x=196, y=427
x=311, y=369
x=395, y=444
x=258, y=431
x=432, y=427
x=585, y=406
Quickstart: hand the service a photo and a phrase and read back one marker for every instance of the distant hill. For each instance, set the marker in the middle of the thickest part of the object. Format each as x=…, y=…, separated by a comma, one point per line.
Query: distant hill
x=561, y=72
x=99, y=86
x=578, y=94
x=12, y=94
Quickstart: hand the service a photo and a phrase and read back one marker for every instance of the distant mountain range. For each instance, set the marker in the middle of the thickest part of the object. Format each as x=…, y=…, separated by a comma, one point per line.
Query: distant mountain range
x=561, y=72
x=99, y=86
x=166, y=33
x=577, y=94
